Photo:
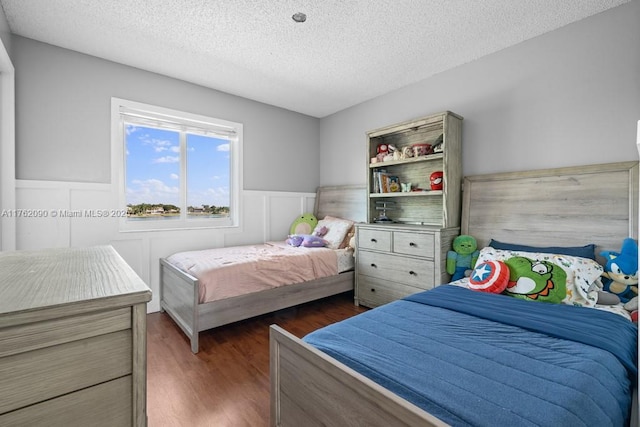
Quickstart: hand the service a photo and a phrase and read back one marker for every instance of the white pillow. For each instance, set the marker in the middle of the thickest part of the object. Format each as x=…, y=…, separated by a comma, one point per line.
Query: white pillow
x=581, y=273
x=337, y=229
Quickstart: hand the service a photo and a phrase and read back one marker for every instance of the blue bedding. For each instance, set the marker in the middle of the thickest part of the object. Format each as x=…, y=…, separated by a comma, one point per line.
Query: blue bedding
x=471, y=358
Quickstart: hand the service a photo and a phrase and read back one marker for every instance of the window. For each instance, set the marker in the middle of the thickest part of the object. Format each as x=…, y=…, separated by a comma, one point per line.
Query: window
x=175, y=169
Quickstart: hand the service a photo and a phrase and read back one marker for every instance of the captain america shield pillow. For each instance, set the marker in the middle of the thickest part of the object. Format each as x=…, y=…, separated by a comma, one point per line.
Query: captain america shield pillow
x=489, y=276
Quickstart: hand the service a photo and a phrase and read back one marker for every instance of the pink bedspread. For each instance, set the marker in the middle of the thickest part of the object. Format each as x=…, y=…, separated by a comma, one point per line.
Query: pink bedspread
x=228, y=272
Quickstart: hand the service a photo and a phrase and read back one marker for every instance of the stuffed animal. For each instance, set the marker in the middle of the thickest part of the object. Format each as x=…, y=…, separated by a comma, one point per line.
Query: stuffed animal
x=381, y=151
x=463, y=257
x=620, y=275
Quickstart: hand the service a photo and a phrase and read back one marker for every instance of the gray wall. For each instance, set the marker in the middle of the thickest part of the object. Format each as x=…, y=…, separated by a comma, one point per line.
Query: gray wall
x=5, y=33
x=63, y=120
x=569, y=97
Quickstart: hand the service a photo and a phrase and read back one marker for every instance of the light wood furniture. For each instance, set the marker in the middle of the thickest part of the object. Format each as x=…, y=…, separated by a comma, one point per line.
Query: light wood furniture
x=596, y=204
x=437, y=208
x=72, y=339
x=179, y=291
x=394, y=261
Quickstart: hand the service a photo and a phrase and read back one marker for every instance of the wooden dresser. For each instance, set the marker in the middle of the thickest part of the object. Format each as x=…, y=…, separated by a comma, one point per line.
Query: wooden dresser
x=393, y=261
x=72, y=339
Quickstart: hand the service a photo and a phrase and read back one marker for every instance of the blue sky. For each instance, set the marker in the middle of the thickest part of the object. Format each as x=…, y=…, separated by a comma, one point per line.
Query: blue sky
x=153, y=167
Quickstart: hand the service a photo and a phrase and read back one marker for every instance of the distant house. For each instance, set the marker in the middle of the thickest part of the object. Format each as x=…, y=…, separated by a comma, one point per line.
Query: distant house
x=155, y=210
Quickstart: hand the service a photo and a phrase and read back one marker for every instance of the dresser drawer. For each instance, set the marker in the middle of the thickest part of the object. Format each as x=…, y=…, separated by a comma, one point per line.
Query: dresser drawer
x=46, y=373
x=410, y=271
x=378, y=240
x=417, y=244
x=372, y=292
x=108, y=404
x=32, y=336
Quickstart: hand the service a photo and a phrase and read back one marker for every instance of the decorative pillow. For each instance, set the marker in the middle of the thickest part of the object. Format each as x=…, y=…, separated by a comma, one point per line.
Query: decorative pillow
x=548, y=277
x=304, y=224
x=346, y=243
x=489, y=276
x=586, y=251
x=337, y=229
x=306, y=240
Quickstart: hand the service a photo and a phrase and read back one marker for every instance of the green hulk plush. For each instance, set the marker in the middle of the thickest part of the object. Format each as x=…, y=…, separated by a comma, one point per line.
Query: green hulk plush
x=463, y=257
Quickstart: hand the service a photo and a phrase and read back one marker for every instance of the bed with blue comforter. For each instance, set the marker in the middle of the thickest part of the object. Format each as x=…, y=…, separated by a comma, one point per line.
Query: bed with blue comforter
x=473, y=358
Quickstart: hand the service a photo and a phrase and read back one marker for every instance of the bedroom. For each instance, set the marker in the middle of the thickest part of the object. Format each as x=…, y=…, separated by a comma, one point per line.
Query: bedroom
x=568, y=97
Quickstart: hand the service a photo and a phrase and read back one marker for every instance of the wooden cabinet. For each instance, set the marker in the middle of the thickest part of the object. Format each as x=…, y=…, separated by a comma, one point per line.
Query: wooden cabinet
x=403, y=247
x=422, y=206
x=393, y=261
x=72, y=339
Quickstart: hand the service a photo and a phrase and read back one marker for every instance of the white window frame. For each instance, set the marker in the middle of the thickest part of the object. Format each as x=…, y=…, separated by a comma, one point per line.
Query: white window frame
x=231, y=130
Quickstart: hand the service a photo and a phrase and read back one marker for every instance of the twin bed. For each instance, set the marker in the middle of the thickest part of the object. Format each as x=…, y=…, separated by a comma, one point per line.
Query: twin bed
x=455, y=356
x=202, y=290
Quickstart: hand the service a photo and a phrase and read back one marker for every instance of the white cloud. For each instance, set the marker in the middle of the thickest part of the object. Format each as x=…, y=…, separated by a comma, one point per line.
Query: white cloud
x=167, y=159
x=152, y=191
x=223, y=147
x=211, y=196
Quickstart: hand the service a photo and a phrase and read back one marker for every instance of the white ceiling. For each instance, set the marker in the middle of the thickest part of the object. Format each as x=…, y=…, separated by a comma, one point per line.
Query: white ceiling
x=348, y=51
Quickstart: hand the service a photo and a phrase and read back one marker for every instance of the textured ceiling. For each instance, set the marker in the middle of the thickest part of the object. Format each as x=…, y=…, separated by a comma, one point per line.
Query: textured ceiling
x=347, y=51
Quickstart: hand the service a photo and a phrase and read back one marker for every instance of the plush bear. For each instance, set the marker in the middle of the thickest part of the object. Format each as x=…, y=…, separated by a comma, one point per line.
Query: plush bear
x=463, y=257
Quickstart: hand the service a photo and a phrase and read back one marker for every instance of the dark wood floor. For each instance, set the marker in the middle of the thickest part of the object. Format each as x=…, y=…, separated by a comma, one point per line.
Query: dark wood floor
x=227, y=382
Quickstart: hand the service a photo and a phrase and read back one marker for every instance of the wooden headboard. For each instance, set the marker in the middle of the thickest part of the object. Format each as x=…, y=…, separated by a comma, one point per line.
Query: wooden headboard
x=571, y=206
x=342, y=201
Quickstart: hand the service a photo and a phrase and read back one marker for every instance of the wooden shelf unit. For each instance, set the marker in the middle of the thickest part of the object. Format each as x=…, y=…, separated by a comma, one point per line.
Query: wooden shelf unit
x=436, y=208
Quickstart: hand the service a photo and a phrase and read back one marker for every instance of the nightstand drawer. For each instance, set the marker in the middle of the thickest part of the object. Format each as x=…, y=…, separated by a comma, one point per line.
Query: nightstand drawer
x=373, y=291
x=416, y=244
x=410, y=271
x=378, y=240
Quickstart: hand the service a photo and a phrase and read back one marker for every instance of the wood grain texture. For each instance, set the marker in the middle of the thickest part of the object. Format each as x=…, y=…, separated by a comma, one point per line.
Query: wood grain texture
x=393, y=261
x=84, y=278
x=72, y=338
x=436, y=208
x=564, y=207
x=179, y=295
x=32, y=336
x=91, y=407
x=31, y=377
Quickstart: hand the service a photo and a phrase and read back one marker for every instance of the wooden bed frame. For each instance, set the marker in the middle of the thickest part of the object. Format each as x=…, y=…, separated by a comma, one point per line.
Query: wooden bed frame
x=561, y=207
x=179, y=290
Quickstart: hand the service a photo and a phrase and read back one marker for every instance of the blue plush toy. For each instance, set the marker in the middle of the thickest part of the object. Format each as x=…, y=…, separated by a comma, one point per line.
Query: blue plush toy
x=620, y=275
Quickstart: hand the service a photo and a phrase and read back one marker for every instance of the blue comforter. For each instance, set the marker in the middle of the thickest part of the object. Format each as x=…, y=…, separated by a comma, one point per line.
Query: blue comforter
x=471, y=358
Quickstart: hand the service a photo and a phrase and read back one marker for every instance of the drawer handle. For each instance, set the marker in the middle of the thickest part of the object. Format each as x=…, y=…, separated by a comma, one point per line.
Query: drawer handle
x=374, y=240
x=413, y=273
x=373, y=265
x=412, y=244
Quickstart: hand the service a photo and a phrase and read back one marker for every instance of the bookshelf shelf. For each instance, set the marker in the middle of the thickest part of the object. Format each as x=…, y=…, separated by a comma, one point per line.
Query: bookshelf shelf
x=431, y=193
x=431, y=157
x=440, y=208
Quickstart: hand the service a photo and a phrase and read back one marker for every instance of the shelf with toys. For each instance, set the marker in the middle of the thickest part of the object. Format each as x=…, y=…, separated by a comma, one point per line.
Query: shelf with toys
x=414, y=176
x=418, y=164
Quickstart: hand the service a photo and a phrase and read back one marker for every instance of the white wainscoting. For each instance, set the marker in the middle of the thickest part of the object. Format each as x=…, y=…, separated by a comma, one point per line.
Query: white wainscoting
x=266, y=215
